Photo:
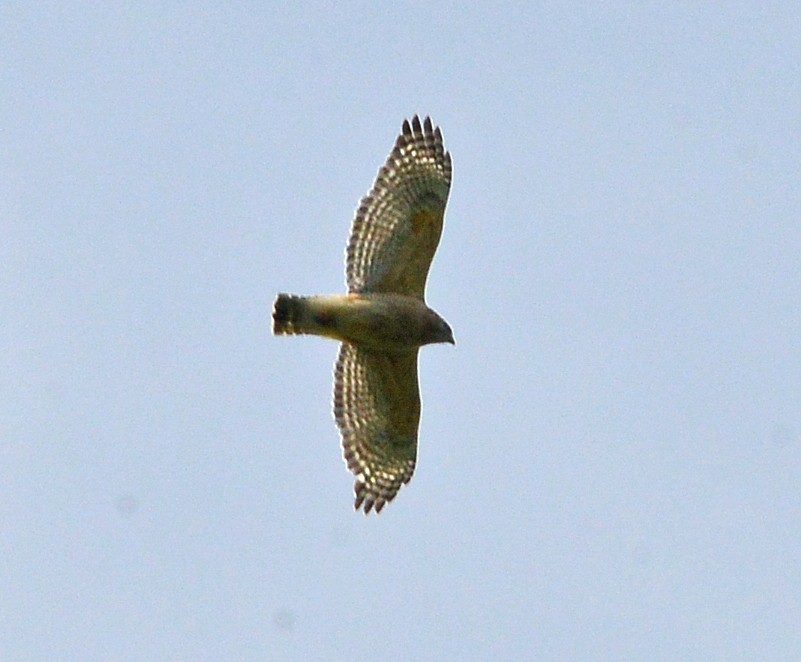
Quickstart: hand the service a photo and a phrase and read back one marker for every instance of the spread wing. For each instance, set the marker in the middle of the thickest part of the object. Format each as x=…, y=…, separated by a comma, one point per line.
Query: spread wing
x=399, y=222
x=377, y=409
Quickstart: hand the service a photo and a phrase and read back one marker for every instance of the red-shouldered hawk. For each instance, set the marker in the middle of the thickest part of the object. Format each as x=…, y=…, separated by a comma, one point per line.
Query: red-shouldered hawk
x=383, y=320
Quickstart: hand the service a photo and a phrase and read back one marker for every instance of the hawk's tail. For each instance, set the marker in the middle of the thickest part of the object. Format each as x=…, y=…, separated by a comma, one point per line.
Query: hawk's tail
x=288, y=314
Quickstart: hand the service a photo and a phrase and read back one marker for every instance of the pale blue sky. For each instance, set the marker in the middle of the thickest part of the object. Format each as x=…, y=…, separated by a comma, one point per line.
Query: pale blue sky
x=610, y=458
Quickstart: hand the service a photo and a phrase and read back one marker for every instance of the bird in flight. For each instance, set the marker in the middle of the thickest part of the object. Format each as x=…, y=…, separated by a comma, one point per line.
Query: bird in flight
x=383, y=319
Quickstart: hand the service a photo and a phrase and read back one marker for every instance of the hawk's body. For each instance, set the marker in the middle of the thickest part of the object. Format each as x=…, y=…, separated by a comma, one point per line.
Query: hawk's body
x=383, y=319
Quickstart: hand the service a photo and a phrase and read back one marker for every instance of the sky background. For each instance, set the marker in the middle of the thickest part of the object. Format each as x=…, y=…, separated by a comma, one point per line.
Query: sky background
x=610, y=457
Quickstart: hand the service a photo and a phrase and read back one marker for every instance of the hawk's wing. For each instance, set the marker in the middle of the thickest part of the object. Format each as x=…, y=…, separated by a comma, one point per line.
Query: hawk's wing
x=377, y=409
x=398, y=224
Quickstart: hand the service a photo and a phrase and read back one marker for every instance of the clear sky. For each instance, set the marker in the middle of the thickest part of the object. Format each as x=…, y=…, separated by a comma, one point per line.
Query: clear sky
x=610, y=457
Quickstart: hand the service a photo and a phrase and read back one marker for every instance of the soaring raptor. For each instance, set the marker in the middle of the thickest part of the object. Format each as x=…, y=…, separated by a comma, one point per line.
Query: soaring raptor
x=383, y=319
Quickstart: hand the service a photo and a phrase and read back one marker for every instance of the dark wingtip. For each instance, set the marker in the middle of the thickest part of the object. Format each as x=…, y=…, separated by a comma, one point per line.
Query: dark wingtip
x=366, y=500
x=358, y=490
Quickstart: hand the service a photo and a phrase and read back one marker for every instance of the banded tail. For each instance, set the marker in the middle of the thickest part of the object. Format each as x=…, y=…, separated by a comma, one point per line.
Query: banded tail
x=289, y=313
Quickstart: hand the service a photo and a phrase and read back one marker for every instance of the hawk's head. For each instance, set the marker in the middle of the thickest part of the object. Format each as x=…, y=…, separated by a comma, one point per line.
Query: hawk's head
x=437, y=329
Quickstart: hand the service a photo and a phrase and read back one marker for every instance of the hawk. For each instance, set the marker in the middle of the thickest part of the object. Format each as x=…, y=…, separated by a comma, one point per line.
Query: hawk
x=383, y=319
